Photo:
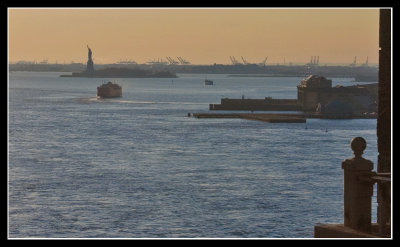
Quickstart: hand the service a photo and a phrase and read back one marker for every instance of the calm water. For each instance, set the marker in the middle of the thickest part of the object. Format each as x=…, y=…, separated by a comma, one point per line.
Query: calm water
x=138, y=167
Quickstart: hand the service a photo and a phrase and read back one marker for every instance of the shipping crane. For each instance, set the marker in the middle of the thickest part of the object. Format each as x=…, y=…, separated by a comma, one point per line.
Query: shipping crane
x=311, y=61
x=183, y=61
x=234, y=61
x=366, y=63
x=263, y=62
x=314, y=60
x=172, y=61
x=244, y=61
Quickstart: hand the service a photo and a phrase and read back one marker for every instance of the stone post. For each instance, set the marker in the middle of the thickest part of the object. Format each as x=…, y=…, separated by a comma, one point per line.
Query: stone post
x=357, y=191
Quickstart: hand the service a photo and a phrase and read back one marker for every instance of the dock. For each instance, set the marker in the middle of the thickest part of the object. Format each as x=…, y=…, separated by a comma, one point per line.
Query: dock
x=264, y=117
x=267, y=104
x=282, y=117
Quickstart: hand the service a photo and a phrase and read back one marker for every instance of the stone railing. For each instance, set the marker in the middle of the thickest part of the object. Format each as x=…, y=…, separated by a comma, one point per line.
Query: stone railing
x=359, y=180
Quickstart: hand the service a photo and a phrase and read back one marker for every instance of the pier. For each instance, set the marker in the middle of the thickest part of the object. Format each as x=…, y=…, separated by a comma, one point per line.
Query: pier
x=267, y=104
x=264, y=117
x=281, y=117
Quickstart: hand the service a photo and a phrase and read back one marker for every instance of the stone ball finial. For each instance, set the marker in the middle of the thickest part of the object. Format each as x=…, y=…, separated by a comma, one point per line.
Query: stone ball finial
x=358, y=146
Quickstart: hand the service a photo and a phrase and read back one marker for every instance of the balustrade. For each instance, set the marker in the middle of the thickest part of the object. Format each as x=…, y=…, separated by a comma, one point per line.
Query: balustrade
x=359, y=180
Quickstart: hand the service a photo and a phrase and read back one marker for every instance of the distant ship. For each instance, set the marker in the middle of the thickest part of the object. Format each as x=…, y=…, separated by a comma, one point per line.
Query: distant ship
x=208, y=82
x=109, y=90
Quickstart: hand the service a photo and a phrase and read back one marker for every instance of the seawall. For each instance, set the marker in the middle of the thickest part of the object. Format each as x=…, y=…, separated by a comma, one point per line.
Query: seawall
x=264, y=117
x=266, y=104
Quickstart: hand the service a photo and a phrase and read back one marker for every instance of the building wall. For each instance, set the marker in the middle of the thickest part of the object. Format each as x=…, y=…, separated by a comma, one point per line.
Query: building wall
x=359, y=97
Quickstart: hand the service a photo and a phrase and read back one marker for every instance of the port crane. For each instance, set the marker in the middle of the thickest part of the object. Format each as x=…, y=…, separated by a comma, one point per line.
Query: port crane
x=263, y=62
x=234, y=61
x=314, y=60
x=183, y=61
x=244, y=61
x=172, y=61
x=366, y=63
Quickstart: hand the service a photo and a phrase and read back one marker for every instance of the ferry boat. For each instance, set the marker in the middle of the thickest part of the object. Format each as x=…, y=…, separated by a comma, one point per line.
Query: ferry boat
x=109, y=90
x=208, y=82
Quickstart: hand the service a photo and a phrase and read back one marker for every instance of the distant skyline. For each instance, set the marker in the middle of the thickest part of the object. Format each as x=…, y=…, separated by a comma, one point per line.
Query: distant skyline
x=199, y=35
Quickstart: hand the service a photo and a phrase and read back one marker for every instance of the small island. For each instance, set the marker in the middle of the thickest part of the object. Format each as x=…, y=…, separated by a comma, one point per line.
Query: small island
x=316, y=98
x=118, y=72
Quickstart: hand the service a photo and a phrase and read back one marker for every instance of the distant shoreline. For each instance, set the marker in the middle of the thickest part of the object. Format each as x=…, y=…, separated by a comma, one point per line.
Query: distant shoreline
x=231, y=70
x=122, y=73
x=118, y=76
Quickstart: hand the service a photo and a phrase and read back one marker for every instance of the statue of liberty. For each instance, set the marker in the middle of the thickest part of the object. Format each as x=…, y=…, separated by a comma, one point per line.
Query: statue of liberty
x=89, y=53
x=89, y=67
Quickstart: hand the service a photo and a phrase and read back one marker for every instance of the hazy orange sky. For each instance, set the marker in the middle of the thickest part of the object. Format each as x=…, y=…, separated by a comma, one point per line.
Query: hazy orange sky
x=201, y=36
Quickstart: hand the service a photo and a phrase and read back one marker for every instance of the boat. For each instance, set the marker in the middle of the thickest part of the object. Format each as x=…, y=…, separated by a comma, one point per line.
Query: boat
x=109, y=90
x=208, y=82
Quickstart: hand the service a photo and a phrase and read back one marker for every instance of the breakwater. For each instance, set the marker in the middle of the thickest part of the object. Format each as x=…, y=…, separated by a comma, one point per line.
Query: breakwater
x=282, y=117
x=264, y=117
x=267, y=104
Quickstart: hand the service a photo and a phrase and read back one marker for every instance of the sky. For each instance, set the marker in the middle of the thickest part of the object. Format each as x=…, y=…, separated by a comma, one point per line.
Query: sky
x=199, y=35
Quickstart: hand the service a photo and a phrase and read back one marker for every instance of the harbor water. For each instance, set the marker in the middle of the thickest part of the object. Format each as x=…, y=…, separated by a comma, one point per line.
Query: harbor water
x=139, y=167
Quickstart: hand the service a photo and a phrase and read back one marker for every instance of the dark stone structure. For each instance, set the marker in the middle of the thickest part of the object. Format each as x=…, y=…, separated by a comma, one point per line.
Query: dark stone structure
x=384, y=106
x=90, y=65
x=384, y=122
x=357, y=195
x=312, y=91
x=315, y=94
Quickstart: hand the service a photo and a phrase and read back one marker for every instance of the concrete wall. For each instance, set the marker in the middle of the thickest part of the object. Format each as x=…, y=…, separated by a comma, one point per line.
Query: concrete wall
x=257, y=105
x=339, y=231
x=361, y=98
